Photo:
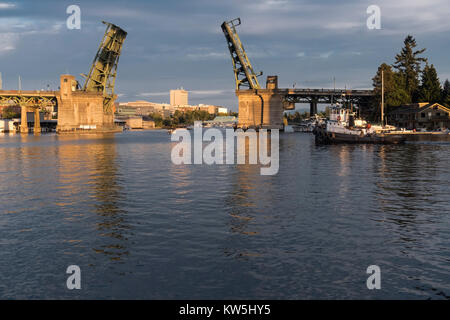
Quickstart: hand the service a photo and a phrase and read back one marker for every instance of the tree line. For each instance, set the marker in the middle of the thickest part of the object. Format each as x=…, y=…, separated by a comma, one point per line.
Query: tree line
x=180, y=118
x=410, y=79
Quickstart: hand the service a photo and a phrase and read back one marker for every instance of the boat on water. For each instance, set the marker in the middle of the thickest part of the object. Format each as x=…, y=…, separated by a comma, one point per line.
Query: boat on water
x=344, y=127
x=197, y=124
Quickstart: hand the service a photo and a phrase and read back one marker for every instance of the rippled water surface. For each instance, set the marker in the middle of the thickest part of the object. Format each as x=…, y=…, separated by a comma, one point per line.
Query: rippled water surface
x=140, y=227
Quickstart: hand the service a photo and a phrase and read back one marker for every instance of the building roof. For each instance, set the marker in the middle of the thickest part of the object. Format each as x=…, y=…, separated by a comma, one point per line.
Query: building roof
x=417, y=108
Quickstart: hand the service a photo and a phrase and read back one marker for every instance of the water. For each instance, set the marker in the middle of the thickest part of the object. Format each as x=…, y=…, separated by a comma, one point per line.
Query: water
x=140, y=227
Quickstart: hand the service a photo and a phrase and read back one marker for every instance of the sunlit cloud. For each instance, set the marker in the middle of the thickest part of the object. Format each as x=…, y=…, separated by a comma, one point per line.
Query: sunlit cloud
x=302, y=41
x=4, y=5
x=210, y=92
x=208, y=55
x=326, y=55
x=8, y=42
x=154, y=94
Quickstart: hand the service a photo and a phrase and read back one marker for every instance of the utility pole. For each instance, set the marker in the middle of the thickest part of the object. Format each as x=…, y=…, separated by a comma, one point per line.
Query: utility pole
x=382, y=98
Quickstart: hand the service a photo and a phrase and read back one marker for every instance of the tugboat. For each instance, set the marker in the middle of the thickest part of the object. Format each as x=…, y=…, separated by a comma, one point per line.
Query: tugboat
x=343, y=127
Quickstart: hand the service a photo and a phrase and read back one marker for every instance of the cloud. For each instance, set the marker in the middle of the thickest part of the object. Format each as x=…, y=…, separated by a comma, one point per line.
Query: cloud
x=207, y=55
x=210, y=92
x=276, y=17
x=4, y=5
x=8, y=42
x=153, y=94
x=194, y=92
x=326, y=55
x=176, y=42
x=415, y=16
x=116, y=12
x=343, y=25
x=270, y=5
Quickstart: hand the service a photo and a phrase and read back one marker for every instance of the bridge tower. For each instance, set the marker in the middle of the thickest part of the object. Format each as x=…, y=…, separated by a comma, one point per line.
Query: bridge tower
x=92, y=107
x=259, y=108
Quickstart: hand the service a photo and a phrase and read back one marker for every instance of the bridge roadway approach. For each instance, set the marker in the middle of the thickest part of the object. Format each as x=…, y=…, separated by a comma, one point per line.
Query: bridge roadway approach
x=77, y=109
x=264, y=107
x=29, y=101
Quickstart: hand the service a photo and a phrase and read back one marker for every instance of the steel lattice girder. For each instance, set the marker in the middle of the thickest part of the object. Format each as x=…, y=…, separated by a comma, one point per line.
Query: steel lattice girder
x=28, y=101
x=243, y=71
x=103, y=72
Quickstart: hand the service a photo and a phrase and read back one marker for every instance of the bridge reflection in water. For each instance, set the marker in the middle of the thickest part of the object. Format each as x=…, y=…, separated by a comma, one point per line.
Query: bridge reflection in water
x=142, y=227
x=103, y=192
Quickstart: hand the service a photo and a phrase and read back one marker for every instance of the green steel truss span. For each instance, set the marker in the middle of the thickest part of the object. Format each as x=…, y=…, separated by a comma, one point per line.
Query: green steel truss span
x=28, y=98
x=103, y=72
x=243, y=71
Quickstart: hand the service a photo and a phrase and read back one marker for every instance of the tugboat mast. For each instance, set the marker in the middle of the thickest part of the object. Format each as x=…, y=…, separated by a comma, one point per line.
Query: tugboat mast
x=382, y=98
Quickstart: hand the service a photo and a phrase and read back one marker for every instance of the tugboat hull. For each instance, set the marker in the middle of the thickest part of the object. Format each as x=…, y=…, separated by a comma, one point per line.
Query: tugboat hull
x=322, y=136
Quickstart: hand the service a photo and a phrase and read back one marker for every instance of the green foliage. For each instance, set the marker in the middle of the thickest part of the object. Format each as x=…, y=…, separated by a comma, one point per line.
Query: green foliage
x=408, y=64
x=180, y=118
x=446, y=94
x=297, y=117
x=157, y=118
x=10, y=113
x=430, y=88
x=405, y=82
x=394, y=92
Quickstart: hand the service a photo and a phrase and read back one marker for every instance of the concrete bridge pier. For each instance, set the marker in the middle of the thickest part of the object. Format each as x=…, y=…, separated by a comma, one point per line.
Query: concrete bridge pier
x=261, y=108
x=37, y=121
x=23, y=119
x=79, y=109
x=313, y=107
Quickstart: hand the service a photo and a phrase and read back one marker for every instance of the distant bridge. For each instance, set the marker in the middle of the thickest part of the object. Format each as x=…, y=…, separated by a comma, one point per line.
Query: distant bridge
x=325, y=96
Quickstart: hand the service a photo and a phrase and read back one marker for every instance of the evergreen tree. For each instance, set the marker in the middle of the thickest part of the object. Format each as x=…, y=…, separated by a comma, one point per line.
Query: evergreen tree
x=394, y=92
x=446, y=93
x=408, y=63
x=430, y=88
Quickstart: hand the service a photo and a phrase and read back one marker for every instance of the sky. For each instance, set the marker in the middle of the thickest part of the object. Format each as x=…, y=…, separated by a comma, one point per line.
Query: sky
x=175, y=43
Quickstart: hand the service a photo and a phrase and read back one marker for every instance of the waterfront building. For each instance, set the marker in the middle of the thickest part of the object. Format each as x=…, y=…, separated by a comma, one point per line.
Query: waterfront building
x=222, y=110
x=144, y=108
x=429, y=116
x=7, y=125
x=178, y=97
x=134, y=122
x=201, y=107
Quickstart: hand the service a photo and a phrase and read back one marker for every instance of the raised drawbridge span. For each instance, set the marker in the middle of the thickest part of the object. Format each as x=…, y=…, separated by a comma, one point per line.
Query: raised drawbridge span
x=264, y=107
x=86, y=108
